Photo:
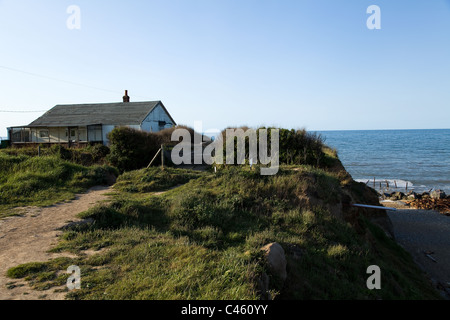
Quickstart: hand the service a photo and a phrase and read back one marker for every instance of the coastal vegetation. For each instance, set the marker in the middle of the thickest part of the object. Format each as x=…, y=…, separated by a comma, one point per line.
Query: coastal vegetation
x=28, y=180
x=186, y=234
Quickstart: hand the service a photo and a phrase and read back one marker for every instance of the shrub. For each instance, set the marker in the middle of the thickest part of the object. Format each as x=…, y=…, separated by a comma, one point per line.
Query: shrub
x=99, y=151
x=61, y=152
x=296, y=147
x=166, y=134
x=132, y=149
x=301, y=147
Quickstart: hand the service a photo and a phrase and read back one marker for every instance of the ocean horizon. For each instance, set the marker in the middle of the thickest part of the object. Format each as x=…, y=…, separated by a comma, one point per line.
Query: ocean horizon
x=404, y=159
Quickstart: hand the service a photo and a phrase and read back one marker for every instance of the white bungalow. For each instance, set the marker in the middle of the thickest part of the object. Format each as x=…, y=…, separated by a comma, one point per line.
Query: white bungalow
x=81, y=124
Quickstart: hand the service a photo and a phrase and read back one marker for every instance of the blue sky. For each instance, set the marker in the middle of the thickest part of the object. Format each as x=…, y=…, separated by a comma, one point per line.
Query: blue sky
x=310, y=64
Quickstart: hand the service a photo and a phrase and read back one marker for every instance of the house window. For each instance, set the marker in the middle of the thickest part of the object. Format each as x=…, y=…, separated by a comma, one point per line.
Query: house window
x=161, y=124
x=95, y=133
x=82, y=134
x=43, y=133
x=17, y=136
x=26, y=136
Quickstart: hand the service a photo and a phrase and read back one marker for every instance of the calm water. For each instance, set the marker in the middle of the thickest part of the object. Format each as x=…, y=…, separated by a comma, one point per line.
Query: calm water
x=420, y=158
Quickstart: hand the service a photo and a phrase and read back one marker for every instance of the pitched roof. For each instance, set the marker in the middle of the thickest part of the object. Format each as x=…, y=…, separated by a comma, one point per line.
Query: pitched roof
x=130, y=113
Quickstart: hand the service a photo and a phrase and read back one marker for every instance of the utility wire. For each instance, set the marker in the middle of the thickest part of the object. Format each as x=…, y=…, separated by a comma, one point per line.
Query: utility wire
x=63, y=81
x=55, y=79
x=22, y=111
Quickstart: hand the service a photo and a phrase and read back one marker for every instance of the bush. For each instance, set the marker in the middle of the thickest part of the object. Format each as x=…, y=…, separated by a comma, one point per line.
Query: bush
x=99, y=152
x=296, y=147
x=5, y=144
x=132, y=149
x=166, y=134
x=301, y=147
x=61, y=152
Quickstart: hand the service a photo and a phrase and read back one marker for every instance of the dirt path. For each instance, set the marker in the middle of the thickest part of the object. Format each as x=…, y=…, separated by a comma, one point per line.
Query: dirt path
x=29, y=237
x=426, y=235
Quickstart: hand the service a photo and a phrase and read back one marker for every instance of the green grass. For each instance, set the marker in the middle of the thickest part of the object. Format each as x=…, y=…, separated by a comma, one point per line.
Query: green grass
x=41, y=181
x=154, y=179
x=43, y=275
x=202, y=240
x=145, y=264
x=87, y=156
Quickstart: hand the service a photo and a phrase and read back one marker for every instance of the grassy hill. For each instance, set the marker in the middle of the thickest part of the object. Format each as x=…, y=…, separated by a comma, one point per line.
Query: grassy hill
x=184, y=234
x=202, y=239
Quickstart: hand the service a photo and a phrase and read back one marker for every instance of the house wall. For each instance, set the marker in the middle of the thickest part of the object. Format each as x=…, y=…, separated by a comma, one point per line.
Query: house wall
x=106, y=129
x=56, y=134
x=151, y=123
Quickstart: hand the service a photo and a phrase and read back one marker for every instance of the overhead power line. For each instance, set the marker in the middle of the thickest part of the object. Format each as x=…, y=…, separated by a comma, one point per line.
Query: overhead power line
x=23, y=111
x=55, y=79
x=64, y=81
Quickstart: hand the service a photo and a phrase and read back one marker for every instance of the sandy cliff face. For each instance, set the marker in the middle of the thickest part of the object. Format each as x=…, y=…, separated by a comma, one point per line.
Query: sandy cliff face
x=353, y=192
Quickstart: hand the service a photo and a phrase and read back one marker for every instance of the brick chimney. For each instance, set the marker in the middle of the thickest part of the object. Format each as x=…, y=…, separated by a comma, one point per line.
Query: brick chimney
x=126, y=98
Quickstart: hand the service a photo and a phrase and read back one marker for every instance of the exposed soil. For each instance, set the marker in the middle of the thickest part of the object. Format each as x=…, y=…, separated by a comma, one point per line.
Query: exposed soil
x=29, y=237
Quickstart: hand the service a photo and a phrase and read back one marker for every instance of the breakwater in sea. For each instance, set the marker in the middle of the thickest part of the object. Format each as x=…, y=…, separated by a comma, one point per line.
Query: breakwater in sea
x=436, y=200
x=398, y=160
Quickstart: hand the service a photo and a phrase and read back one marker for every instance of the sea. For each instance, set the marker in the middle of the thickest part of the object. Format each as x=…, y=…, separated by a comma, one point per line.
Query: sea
x=397, y=160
